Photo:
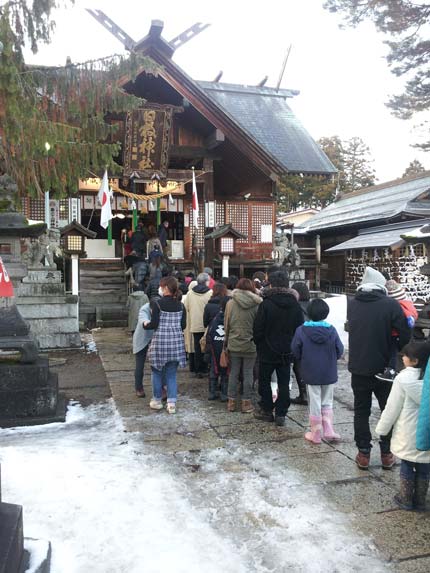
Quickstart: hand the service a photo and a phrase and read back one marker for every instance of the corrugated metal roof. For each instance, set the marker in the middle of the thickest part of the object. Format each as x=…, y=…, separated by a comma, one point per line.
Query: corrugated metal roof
x=380, y=202
x=265, y=115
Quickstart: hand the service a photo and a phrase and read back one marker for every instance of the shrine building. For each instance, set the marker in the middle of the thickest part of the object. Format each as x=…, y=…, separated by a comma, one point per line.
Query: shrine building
x=239, y=139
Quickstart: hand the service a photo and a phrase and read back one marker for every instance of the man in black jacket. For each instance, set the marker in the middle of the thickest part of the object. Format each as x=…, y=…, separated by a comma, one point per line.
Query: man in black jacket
x=372, y=317
x=277, y=318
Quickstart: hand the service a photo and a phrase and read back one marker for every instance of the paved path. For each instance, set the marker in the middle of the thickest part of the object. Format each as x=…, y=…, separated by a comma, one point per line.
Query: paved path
x=201, y=428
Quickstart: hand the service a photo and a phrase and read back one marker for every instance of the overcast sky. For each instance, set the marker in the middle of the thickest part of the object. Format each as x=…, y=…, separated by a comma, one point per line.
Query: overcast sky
x=342, y=75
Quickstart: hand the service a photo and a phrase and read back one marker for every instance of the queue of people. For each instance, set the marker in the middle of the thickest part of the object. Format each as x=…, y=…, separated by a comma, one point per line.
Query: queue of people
x=245, y=333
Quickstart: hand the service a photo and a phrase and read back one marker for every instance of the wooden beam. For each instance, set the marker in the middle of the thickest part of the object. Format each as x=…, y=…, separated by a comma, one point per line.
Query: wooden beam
x=184, y=175
x=190, y=152
x=214, y=139
x=188, y=35
x=113, y=28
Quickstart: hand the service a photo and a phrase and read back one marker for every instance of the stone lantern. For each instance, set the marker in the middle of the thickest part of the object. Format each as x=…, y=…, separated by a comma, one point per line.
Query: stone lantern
x=225, y=238
x=73, y=244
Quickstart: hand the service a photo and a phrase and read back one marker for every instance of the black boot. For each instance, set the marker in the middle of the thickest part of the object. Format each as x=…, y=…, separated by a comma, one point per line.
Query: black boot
x=213, y=389
x=404, y=499
x=302, y=398
x=224, y=388
x=421, y=489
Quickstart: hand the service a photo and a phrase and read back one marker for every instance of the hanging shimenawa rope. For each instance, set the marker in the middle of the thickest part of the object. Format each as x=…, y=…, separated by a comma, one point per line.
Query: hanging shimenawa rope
x=175, y=191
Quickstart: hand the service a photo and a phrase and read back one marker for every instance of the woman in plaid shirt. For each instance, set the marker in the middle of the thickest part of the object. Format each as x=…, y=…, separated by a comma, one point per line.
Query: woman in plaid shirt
x=167, y=350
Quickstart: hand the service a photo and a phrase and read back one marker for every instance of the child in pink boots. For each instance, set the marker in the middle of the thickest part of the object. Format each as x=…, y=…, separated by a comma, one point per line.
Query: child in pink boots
x=316, y=344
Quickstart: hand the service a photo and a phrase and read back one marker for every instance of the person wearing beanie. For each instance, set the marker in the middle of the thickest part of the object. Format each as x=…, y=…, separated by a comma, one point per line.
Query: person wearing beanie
x=397, y=292
x=371, y=318
x=317, y=346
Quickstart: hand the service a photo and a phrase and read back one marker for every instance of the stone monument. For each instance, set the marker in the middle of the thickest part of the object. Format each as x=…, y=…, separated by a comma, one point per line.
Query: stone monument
x=42, y=301
x=28, y=390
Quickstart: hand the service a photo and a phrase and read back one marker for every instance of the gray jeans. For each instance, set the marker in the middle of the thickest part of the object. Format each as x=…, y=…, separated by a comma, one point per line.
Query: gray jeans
x=319, y=397
x=236, y=361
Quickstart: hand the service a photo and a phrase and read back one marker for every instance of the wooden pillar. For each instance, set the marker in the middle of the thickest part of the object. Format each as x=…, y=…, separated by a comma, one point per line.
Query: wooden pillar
x=209, y=204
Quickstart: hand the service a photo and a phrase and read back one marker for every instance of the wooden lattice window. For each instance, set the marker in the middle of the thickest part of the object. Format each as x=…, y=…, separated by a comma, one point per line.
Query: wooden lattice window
x=238, y=216
x=200, y=233
x=262, y=215
x=37, y=209
x=220, y=214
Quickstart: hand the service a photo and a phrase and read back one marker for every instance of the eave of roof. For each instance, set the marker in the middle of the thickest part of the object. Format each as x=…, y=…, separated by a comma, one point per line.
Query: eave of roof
x=394, y=235
x=376, y=203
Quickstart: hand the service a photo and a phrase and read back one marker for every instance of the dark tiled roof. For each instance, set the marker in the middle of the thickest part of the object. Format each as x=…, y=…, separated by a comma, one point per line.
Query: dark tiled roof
x=377, y=203
x=225, y=230
x=265, y=115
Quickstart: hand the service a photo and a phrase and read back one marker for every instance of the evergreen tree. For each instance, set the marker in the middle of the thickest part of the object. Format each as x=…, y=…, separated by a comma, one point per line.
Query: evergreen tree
x=357, y=165
x=53, y=121
x=405, y=23
x=354, y=164
x=415, y=167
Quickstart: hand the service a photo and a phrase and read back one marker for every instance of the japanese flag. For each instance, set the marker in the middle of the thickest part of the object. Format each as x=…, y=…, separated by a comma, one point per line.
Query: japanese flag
x=195, y=204
x=6, y=286
x=104, y=196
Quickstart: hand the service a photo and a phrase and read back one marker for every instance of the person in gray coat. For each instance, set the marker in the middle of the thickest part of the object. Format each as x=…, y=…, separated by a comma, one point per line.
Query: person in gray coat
x=134, y=303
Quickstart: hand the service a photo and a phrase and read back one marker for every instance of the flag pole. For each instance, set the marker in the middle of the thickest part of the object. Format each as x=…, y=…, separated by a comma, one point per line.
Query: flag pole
x=110, y=232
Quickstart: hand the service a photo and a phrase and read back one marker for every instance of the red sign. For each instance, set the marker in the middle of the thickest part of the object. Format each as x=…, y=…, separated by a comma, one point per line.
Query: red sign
x=6, y=286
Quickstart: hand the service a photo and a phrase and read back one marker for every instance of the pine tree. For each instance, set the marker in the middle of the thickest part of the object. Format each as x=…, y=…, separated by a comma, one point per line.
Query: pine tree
x=54, y=121
x=415, y=167
x=405, y=23
x=358, y=171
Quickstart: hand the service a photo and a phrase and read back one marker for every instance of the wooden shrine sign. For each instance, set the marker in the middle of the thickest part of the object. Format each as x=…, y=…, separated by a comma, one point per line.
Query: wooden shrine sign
x=147, y=137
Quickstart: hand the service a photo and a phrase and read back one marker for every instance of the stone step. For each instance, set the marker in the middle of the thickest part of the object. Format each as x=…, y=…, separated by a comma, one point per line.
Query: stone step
x=102, y=289
x=11, y=538
x=105, y=280
x=112, y=323
x=104, y=298
x=96, y=273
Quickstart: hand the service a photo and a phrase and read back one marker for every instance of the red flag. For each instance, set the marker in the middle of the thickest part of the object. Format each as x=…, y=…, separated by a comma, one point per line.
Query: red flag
x=6, y=286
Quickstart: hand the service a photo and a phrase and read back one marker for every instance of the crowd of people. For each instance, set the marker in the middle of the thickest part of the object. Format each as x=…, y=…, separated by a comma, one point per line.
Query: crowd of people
x=248, y=333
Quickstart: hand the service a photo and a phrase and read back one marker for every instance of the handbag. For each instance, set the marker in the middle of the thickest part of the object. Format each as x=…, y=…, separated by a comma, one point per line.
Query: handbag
x=224, y=358
x=203, y=342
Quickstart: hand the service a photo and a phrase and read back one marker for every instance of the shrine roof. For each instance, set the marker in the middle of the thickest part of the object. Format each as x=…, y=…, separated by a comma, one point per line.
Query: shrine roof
x=264, y=114
x=377, y=203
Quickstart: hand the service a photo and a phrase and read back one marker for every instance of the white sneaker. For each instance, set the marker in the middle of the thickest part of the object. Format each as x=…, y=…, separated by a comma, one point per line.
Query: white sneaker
x=155, y=404
x=171, y=408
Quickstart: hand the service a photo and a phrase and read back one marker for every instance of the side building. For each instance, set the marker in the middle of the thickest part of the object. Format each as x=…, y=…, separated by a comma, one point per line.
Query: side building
x=383, y=226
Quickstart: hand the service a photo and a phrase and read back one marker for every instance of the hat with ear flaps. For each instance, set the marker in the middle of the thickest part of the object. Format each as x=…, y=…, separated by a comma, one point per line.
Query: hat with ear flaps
x=372, y=280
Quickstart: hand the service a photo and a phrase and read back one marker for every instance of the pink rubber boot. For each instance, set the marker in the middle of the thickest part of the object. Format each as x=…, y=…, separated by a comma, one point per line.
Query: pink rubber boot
x=327, y=424
x=314, y=435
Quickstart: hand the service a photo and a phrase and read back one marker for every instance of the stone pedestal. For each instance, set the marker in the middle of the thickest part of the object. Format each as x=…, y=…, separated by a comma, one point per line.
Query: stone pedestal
x=11, y=538
x=53, y=316
x=29, y=394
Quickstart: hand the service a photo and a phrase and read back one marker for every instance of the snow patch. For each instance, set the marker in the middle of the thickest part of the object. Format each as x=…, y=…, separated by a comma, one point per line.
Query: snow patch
x=108, y=504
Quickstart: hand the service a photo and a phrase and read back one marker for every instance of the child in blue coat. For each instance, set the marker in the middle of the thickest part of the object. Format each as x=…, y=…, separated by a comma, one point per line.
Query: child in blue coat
x=318, y=347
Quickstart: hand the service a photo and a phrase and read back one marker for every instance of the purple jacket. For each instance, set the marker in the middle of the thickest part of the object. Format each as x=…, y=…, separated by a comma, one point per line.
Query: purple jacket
x=318, y=348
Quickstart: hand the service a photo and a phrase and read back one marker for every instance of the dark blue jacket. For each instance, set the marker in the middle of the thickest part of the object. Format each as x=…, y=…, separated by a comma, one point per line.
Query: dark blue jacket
x=318, y=348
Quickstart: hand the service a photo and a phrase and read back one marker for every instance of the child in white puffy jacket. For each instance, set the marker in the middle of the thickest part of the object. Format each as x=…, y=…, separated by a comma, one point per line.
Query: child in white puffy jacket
x=401, y=415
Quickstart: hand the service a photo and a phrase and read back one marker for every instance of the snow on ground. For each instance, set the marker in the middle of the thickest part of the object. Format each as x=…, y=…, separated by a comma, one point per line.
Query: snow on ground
x=107, y=507
x=337, y=316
